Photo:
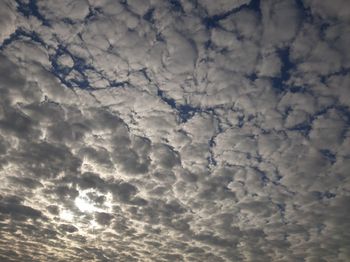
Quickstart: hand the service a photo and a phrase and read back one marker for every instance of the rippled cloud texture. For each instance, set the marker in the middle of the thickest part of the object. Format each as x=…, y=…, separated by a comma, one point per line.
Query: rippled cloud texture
x=179, y=130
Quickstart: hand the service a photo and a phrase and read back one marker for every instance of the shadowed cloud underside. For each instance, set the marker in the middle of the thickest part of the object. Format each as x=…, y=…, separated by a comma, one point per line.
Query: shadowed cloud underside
x=179, y=130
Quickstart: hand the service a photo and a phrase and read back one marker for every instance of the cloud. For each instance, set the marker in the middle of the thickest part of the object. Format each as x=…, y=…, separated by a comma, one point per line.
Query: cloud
x=7, y=20
x=221, y=6
x=16, y=211
x=174, y=130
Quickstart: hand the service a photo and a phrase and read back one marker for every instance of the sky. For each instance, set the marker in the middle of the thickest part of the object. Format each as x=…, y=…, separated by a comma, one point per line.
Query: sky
x=174, y=130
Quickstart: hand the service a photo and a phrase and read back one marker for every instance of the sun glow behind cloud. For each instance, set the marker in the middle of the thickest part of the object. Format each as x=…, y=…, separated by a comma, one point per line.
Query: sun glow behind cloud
x=67, y=215
x=85, y=205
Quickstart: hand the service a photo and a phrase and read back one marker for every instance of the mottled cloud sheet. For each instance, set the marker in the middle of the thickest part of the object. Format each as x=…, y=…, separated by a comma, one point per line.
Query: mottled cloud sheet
x=174, y=130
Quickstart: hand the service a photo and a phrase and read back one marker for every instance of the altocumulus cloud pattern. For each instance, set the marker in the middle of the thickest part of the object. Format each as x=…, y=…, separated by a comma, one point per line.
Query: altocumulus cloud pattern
x=175, y=130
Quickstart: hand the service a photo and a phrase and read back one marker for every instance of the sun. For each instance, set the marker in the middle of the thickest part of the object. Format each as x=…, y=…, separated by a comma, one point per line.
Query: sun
x=84, y=204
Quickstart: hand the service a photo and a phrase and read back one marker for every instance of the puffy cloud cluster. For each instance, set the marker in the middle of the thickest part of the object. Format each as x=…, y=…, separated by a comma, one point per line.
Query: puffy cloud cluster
x=174, y=130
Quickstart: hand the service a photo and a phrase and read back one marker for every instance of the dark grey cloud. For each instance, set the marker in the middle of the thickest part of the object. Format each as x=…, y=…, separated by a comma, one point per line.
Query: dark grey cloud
x=103, y=218
x=67, y=228
x=150, y=130
x=17, y=211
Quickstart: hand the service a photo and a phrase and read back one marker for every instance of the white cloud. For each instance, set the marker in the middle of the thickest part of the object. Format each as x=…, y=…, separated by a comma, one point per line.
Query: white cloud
x=174, y=131
x=280, y=22
x=221, y=6
x=7, y=20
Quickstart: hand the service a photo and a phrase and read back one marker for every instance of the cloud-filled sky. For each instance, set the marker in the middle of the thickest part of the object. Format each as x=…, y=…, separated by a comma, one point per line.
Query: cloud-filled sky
x=175, y=130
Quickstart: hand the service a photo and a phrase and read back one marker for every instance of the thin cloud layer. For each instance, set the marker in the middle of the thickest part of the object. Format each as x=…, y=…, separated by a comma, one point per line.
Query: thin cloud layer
x=174, y=130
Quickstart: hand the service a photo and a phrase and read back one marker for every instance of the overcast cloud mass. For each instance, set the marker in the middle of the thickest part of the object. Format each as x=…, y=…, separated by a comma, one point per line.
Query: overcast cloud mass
x=174, y=130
